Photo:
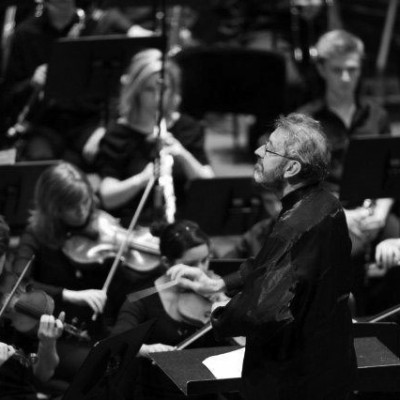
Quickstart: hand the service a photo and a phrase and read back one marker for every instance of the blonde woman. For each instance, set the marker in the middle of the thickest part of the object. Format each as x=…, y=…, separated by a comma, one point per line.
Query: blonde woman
x=128, y=149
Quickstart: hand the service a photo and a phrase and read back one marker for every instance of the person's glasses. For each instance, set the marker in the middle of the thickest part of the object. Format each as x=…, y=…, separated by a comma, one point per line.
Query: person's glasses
x=277, y=154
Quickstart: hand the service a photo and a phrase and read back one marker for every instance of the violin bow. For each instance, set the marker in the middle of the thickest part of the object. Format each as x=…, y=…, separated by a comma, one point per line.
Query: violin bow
x=125, y=243
x=192, y=338
x=135, y=296
x=16, y=285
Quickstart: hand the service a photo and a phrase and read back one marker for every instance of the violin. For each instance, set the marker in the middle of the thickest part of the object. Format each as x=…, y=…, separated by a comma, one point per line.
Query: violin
x=142, y=253
x=25, y=309
x=196, y=310
x=27, y=360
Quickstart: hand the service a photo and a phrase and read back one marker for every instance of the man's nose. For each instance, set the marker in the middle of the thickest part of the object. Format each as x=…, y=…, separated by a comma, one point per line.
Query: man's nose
x=259, y=152
x=345, y=76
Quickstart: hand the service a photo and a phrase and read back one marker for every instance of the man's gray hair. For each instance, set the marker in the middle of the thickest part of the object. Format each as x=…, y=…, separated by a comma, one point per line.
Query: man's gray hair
x=305, y=142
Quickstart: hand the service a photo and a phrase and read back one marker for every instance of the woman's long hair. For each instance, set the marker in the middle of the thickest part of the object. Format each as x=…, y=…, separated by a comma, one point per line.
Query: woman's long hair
x=59, y=187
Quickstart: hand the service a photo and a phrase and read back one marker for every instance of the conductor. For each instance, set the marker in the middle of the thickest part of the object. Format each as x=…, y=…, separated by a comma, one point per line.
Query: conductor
x=291, y=300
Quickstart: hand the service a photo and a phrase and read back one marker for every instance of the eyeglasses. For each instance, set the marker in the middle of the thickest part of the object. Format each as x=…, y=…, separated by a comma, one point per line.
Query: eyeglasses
x=277, y=154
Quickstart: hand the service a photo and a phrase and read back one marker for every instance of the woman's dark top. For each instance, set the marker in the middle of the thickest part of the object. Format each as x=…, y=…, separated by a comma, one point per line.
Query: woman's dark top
x=125, y=151
x=152, y=382
x=17, y=380
x=52, y=271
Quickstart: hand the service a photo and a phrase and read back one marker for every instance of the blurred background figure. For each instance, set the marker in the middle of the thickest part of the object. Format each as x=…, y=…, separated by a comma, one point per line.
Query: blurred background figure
x=129, y=148
x=344, y=113
x=52, y=129
x=179, y=314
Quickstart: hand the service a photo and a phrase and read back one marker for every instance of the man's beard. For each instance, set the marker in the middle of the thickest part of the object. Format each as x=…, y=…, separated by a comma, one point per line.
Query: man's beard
x=272, y=179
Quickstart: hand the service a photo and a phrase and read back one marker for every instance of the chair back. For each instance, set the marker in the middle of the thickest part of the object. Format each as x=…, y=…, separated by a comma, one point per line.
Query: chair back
x=232, y=80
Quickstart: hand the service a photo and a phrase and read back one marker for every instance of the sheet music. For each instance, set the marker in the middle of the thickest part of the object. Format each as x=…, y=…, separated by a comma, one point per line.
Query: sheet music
x=227, y=365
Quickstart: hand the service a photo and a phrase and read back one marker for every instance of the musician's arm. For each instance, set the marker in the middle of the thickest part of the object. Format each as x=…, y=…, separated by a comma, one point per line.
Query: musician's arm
x=50, y=329
x=115, y=193
x=28, y=247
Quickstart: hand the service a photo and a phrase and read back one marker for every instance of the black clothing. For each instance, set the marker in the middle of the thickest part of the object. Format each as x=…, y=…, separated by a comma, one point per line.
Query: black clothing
x=369, y=119
x=125, y=151
x=52, y=271
x=293, y=305
x=64, y=125
x=16, y=381
x=152, y=382
x=252, y=241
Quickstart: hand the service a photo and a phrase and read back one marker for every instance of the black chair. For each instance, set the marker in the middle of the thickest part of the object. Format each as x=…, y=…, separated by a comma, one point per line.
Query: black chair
x=233, y=80
x=17, y=188
x=224, y=205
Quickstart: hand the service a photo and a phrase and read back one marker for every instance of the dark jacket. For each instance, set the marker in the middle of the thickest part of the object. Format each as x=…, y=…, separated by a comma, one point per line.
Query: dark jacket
x=293, y=304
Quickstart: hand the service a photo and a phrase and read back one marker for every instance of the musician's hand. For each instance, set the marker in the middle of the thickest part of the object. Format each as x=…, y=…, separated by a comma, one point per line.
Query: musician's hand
x=138, y=31
x=146, y=349
x=147, y=173
x=50, y=328
x=94, y=298
x=6, y=352
x=354, y=218
x=91, y=147
x=195, y=279
x=39, y=76
x=387, y=253
x=173, y=146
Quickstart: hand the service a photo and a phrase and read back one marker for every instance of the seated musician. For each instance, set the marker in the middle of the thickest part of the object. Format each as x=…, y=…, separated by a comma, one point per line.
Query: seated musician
x=53, y=128
x=64, y=208
x=128, y=149
x=385, y=278
x=19, y=376
x=178, y=315
x=343, y=113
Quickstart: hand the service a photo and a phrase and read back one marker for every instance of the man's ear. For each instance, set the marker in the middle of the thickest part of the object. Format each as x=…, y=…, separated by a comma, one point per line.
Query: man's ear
x=292, y=169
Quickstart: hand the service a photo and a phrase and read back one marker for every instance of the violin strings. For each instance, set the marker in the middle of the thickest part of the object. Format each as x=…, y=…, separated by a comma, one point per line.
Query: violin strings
x=132, y=297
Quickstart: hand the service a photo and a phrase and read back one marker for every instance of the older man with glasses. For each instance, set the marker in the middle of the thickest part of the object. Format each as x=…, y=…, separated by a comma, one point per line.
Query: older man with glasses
x=292, y=298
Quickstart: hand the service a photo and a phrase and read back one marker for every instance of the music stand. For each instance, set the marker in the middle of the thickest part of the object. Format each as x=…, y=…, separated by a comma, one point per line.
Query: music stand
x=223, y=205
x=91, y=67
x=17, y=187
x=109, y=371
x=371, y=168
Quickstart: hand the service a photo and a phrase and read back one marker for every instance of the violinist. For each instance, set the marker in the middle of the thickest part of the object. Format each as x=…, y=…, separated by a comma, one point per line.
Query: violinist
x=180, y=242
x=20, y=374
x=65, y=207
x=64, y=203
x=129, y=147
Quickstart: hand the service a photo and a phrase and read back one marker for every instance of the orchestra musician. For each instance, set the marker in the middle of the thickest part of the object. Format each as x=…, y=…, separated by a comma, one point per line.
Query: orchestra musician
x=292, y=298
x=177, y=313
x=344, y=113
x=65, y=207
x=129, y=147
x=52, y=129
x=20, y=374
